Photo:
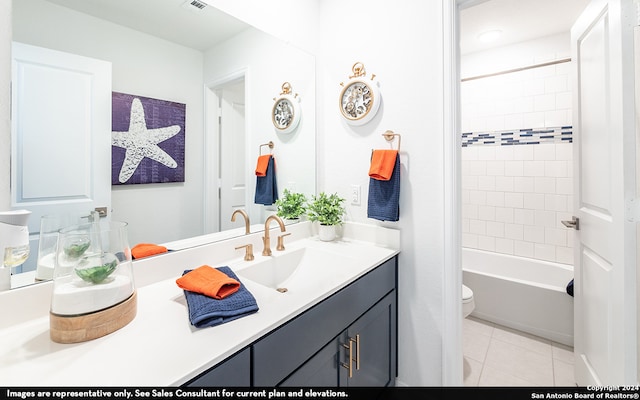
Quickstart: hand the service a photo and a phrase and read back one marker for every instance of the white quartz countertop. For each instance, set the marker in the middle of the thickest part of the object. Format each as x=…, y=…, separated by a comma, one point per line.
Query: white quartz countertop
x=160, y=347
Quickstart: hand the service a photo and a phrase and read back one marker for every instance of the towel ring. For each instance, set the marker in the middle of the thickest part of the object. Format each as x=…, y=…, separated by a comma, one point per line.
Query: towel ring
x=389, y=136
x=270, y=145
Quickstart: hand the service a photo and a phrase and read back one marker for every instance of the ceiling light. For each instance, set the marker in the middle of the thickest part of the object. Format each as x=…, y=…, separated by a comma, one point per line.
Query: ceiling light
x=489, y=36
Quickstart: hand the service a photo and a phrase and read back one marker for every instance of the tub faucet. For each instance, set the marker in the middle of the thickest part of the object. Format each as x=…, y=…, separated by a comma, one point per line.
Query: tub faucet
x=265, y=239
x=246, y=219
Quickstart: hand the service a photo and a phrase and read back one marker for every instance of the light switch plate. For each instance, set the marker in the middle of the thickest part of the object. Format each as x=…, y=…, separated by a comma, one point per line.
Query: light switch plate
x=355, y=195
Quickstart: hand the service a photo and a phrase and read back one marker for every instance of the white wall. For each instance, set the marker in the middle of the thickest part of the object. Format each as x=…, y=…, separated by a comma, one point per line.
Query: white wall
x=514, y=196
x=142, y=65
x=517, y=55
x=402, y=43
x=294, y=21
x=532, y=98
x=268, y=63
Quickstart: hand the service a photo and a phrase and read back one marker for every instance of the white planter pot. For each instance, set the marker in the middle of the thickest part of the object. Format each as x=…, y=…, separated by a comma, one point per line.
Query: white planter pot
x=291, y=221
x=327, y=233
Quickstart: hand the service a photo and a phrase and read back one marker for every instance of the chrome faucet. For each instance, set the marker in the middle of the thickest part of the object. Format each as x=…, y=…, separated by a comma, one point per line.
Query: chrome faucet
x=246, y=219
x=265, y=239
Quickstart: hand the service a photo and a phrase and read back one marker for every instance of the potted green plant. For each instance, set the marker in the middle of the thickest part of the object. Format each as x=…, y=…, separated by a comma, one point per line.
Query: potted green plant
x=291, y=206
x=328, y=211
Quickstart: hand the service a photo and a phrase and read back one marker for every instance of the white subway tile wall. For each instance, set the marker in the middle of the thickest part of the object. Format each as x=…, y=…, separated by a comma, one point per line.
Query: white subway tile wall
x=532, y=98
x=517, y=182
x=517, y=210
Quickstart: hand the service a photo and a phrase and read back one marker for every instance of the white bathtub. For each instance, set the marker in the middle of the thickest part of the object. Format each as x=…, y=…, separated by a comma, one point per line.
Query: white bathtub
x=521, y=293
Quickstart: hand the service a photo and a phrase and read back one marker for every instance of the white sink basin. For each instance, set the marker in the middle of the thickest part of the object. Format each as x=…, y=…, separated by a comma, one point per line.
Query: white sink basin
x=296, y=268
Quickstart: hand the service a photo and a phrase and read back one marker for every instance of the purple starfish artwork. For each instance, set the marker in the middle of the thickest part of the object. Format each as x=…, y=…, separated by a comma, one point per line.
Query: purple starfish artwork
x=148, y=140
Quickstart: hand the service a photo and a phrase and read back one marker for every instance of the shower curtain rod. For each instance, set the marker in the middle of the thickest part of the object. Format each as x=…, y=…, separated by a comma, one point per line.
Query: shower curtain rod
x=564, y=60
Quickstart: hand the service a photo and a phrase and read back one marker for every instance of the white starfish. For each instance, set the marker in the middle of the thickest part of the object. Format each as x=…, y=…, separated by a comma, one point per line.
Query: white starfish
x=141, y=142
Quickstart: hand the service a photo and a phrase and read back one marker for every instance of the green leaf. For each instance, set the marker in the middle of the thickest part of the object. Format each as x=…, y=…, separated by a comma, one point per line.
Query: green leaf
x=326, y=209
x=292, y=205
x=75, y=250
x=97, y=274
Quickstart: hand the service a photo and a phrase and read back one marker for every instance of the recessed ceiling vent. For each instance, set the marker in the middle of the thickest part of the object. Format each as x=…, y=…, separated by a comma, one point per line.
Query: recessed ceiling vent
x=194, y=5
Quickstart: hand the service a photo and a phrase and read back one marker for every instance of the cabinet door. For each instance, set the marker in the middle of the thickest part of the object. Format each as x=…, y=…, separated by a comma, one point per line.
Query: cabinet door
x=297, y=341
x=371, y=344
x=235, y=371
x=371, y=340
x=320, y=371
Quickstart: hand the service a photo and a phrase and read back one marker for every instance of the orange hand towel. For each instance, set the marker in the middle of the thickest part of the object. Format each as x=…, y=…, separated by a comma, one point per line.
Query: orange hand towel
x=147, y=249
x=382, y=164
x=263, y=163
x=208, y=281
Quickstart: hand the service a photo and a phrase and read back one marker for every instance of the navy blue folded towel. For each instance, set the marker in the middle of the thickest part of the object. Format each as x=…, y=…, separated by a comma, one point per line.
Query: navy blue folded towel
x=266, y=186
x=206, y=311
x=384, y=196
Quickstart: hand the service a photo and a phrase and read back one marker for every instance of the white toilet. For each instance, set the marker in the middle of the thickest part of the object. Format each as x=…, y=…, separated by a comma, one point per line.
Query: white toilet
x=467, y=301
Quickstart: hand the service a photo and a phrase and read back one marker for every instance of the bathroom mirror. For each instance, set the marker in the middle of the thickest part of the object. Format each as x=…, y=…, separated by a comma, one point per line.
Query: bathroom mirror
x=165, y=49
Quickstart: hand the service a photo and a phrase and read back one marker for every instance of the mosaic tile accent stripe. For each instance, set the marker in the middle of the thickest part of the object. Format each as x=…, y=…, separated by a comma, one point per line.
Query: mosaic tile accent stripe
x=562, y=134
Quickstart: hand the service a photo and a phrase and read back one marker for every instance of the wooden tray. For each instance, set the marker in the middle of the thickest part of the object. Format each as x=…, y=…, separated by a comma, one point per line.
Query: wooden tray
x=81, y=328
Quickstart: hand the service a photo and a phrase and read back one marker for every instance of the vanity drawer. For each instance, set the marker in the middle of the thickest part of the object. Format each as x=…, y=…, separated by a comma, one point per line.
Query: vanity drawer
x=280, y=352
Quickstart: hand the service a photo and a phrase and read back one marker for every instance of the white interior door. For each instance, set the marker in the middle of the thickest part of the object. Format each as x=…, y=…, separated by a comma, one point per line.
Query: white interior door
x=604, y=166
x=60, y=134
x=233, y=168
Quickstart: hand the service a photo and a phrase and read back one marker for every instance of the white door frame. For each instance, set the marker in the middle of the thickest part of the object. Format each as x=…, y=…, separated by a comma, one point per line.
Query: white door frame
x=452, y=356
x=211, y=181
x=233, y=149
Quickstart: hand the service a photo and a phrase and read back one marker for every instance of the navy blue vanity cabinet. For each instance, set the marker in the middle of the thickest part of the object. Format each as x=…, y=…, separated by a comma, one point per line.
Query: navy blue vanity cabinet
x=364, y=354
x=371, y=340
x=312, y=349
x=235, y=371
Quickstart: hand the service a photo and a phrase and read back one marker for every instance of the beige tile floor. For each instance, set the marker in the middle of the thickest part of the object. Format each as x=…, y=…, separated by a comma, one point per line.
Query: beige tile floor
x=498, y=356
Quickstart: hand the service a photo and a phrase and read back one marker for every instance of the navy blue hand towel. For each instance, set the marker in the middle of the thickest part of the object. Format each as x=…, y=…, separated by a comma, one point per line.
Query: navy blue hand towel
x=206, y=311
x=384, y=196
x=266, y=186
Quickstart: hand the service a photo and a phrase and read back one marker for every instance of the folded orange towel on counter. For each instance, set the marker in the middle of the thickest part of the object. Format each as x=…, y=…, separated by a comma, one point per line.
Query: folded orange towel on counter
x=147, y=249
x=263, y=163
x=208, y=281
x=382, y=164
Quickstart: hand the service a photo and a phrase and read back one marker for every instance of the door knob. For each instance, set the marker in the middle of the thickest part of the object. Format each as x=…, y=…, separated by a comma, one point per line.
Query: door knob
x=573, y=224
